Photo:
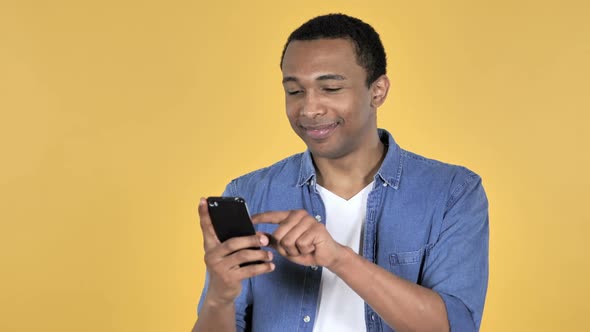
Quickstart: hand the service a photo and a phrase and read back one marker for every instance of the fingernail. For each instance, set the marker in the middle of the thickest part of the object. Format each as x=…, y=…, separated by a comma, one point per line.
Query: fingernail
x=272, y=266
x=263, y=240
x=202, y=201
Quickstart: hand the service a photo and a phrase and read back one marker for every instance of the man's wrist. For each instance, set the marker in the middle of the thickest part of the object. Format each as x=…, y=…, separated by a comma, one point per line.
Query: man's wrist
x=343, y=261
x=217, y=303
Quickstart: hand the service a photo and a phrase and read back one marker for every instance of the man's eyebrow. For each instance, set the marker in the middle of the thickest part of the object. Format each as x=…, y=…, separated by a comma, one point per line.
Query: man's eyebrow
x=331, y=77
x=325, y=77
x=289, y=79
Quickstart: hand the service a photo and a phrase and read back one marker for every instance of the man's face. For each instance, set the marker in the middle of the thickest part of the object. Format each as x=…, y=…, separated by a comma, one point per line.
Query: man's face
x=327, y=100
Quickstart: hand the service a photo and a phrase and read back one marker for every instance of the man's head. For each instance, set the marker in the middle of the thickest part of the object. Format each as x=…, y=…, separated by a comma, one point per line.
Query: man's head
x=331, y=94
x=369, y=50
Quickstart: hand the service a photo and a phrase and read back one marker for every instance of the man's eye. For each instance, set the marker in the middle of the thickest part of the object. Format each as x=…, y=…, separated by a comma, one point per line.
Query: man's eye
x=293, y=92
x=332, y=89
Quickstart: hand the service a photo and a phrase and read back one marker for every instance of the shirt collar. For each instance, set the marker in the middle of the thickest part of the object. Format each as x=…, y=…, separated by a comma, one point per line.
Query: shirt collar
x=389, y=173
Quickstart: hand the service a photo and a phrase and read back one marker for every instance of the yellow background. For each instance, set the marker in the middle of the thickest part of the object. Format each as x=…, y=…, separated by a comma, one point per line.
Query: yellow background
x=116, y=116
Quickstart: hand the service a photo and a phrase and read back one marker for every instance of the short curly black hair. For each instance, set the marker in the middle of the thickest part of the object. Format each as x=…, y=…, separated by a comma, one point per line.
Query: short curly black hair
x=368, y=47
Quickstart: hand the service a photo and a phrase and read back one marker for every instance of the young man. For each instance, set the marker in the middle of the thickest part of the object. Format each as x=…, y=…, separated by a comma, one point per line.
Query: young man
x=358, y=233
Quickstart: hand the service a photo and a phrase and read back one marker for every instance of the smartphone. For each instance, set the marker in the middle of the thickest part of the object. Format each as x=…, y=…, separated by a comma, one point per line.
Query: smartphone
x=230, y=218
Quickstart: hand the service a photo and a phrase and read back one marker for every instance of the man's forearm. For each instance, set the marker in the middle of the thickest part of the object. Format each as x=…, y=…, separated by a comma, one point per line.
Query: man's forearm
x=403, y=305
x=216, y=317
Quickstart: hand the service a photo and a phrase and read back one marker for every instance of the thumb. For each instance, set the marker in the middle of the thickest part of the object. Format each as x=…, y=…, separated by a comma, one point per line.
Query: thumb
x=210, y=239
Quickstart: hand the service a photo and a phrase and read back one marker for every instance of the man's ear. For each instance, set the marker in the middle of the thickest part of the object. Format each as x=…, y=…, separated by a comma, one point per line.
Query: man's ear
x=379, y=90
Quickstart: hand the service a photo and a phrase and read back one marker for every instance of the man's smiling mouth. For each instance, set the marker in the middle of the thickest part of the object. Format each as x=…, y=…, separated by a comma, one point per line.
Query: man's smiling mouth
x=319, y=131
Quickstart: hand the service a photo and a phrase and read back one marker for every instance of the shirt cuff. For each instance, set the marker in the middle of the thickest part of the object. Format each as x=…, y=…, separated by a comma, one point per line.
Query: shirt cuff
x=460, y=319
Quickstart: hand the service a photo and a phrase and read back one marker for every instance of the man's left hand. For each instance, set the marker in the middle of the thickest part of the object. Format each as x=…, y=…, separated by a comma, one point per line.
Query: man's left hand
x=301, y=238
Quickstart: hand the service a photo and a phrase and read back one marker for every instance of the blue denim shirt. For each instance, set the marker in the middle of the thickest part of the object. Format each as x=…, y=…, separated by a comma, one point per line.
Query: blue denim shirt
x=426, y=222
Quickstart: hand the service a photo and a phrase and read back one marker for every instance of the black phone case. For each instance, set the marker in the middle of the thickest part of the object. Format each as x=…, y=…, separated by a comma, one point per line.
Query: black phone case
x=230, y=218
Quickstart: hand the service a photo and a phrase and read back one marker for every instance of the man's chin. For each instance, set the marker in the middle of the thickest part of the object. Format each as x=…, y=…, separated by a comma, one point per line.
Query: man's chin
x=325, y=152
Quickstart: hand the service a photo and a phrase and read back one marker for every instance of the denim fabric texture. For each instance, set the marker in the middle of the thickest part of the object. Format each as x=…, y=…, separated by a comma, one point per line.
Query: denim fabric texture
x=426, y=222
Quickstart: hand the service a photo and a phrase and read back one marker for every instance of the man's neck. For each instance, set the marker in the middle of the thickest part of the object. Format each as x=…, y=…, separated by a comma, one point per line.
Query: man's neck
x=348, y=175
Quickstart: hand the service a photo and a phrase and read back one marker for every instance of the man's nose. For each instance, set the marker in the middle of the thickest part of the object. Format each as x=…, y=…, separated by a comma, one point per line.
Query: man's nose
x=312, y=106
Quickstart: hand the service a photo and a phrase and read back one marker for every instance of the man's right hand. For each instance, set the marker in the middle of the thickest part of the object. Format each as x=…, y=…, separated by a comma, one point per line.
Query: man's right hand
x=223, y=260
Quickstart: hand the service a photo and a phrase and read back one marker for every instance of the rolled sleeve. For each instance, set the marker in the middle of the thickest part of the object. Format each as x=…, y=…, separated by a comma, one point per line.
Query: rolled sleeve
x=460, y=318
x=457, y=265
x=242, y=304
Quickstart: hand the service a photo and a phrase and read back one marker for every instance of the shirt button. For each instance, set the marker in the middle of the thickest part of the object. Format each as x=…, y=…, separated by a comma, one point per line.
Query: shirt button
x=306, y=319
x=373, y=317
x=385, y=184
x=318, y=218
x=314, y=267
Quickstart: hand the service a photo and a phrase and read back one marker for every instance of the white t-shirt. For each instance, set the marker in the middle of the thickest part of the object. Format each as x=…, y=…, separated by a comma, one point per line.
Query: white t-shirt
x=340, y=308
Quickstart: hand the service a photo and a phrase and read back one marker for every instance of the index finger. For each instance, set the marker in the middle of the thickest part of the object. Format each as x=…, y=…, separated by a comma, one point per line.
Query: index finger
x=272, y=217
x=210, y=239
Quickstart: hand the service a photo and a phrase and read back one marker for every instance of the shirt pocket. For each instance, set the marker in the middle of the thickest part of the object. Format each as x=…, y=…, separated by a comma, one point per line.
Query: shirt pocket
x=407, y=264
